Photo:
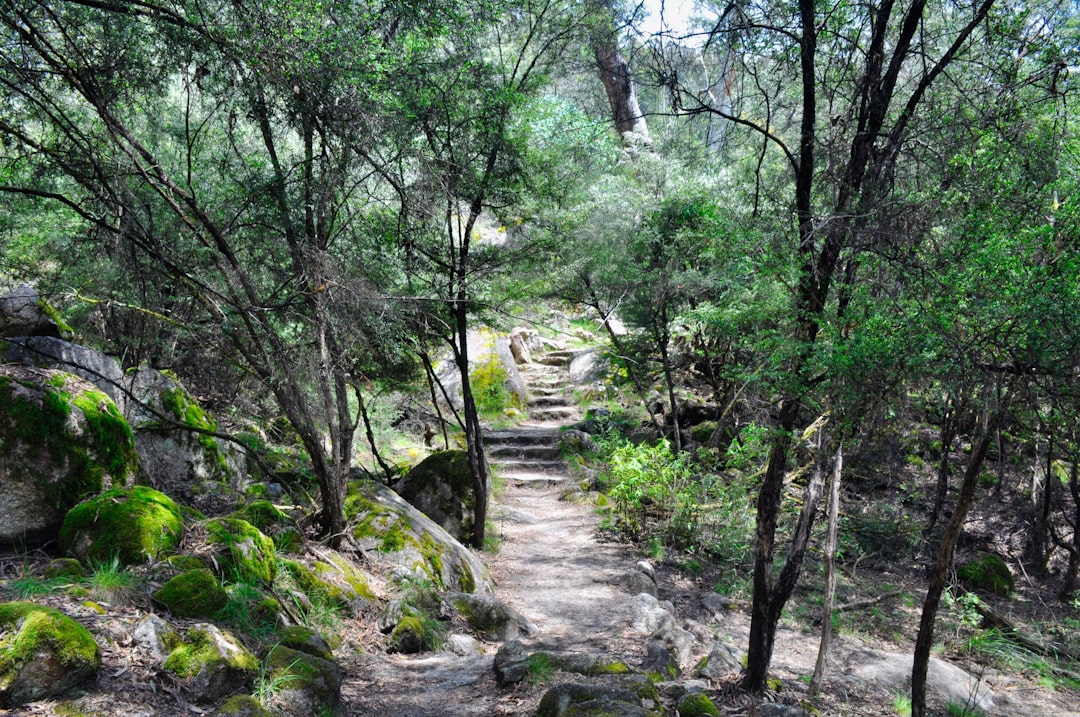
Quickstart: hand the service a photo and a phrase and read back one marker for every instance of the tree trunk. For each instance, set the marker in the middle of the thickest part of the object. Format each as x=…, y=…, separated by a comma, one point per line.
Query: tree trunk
x=943, y=564
x=948, y=433
x=615, y=74
x=830, y=572
x=1074, y=550
x=769, y=599
x=669, y=381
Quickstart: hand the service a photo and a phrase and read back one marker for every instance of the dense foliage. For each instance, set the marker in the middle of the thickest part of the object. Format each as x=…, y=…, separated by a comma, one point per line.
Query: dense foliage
x=845, y=222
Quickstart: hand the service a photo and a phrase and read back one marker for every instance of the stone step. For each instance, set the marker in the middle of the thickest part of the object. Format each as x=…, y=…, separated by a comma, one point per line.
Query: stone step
x=538, y=453
x=536, y=478
x=517, y=466
x=555, y=413
x=549, y=401
x=522, y=436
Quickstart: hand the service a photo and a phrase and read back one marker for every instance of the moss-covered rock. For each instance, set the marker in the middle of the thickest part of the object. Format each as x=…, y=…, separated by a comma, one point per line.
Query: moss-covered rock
x=132, y=525
x=332, y=580
x=491, y=618
x=697, y=704
x=441, y=487
x=195, y=593
x=580, y=700
x=65, y=568
x=309, y=684
x=181, y=453
x=211, y=663
x=389, y=529
x=242, y=551
x=264, y=515
x=304, y=639
x=60, y=440
x=42, y=653
x=987, y=572
x=242, y=706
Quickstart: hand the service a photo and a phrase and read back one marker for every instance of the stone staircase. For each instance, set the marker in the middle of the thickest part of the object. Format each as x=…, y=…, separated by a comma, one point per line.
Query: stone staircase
x=529, y=453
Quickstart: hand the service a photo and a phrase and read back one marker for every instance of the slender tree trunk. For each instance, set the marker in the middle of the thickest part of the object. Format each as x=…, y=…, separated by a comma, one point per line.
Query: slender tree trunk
x=770, y=597
x=615, y=73
x=1074, y=550
x=474, y=440
x=948, y=433
x=943, y=564
x=669, y=380
x=830, y=572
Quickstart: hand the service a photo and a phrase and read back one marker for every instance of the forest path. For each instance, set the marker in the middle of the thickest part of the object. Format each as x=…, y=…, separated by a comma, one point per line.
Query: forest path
x=553, y=567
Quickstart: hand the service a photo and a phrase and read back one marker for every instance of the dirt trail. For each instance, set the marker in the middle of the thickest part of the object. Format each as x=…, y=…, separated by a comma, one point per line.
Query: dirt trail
x=552, y=567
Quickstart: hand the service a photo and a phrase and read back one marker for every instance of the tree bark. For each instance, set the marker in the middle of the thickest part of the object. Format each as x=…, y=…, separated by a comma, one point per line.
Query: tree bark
x=830, y=572
x=942, y=565
x=615, y=74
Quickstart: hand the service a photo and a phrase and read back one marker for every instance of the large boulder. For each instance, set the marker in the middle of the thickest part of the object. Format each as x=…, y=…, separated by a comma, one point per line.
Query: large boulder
x=441, y=486
x=490, y=617
x=132, y=525
x=590, y=700
x=492, y=368
x=588, y=367
x=172, y=437
x=194, y=593
x=241, y=552
x=387, y=528
x=23, y=312
x=211, y=663
x=309, y=684
x=42, y=653
x=945, y=682
x=49, y=352
x=60, y=440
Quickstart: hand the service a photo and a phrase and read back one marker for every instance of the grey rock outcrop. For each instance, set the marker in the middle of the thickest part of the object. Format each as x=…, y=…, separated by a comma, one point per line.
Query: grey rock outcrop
x=590, y=700
x=588, y=367
x=167, y=420
x=23, y=312
x=49, y=352
x=55, y=654
x=490, y=617
x=60, y=440
x=211, y=663
x=441, y=487
x=310, y=684
x=390, y=530
x=946, y=682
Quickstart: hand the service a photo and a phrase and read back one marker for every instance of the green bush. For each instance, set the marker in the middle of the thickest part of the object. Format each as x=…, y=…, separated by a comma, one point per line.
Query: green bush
x=675, y=501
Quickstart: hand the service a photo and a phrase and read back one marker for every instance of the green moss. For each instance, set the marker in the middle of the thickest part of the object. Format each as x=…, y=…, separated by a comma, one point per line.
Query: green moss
x=66, y=332
x=467, y=581
x=38, y=416
x=187, y=411
x=411, y=627
x=346, y=571
x=289, y=540
x=65, y=568
x=195, y=593
x=185, y=562
x=129, y=524
x=25, y=626
x=200, y=652
x=242, y=706
x=986, y=572
x=697, y=704
x=248, y=554
x=262, y=514
x=304, y=639
x=610, y=667
x=432, y=553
